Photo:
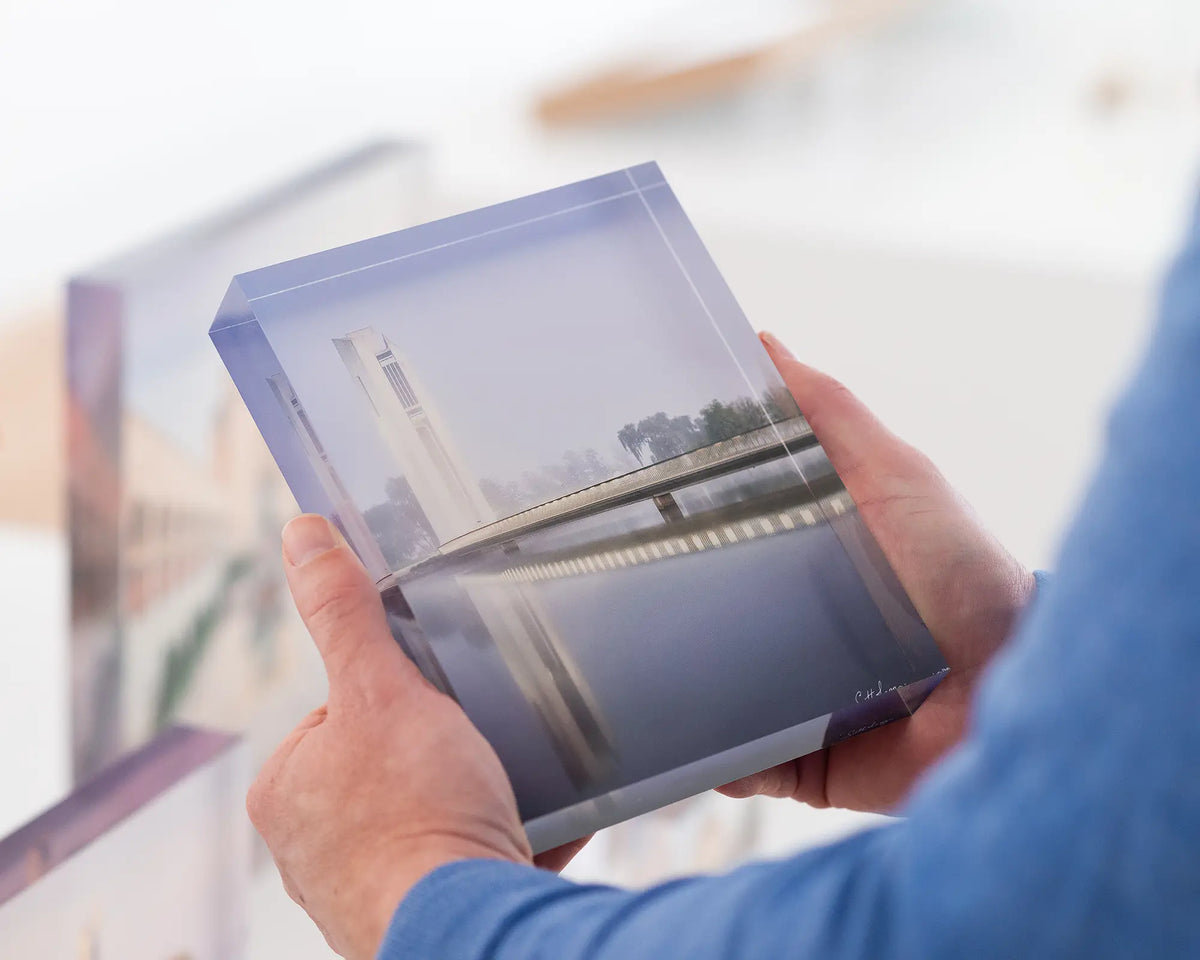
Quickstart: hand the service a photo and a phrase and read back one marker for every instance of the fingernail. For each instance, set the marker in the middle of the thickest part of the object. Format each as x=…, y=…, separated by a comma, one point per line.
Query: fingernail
x=306, y=537
x=772, y=341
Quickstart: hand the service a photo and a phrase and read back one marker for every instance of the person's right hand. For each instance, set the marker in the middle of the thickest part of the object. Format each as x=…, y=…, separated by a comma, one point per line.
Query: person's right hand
x=968, y=589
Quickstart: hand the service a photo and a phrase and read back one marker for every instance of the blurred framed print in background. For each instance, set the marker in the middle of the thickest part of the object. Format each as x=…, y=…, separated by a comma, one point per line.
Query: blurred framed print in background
x=149, y=860
x=178, y=608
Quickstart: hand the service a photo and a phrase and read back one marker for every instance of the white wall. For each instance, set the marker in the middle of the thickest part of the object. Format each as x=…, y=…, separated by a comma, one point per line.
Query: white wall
x=34, y=682
x=119, y=120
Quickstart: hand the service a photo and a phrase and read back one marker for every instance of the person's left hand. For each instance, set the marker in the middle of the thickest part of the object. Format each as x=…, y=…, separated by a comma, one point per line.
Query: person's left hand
x=389, y=779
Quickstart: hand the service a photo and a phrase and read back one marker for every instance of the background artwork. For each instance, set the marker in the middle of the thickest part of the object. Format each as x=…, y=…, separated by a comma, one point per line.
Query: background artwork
x=67, y=891
x=179, y=610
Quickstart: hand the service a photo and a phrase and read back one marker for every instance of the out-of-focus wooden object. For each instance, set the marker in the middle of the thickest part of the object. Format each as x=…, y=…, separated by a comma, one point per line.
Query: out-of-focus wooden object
x=640, y=88
x=32, y=398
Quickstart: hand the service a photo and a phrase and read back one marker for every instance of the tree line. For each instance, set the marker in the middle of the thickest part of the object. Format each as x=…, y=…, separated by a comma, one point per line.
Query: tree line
x=661, y=436
x=404, y=533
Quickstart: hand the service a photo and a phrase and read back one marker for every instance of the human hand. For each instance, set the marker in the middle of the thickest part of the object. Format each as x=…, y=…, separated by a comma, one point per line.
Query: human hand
x=387, y=780
x=968, y=589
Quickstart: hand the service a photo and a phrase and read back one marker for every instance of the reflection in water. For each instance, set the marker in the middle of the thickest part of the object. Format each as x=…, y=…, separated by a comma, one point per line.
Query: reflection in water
x=549, y=677
x=645, y=633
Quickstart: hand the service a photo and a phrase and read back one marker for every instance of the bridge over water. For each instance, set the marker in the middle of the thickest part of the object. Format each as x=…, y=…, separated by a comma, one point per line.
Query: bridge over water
x=658, y=481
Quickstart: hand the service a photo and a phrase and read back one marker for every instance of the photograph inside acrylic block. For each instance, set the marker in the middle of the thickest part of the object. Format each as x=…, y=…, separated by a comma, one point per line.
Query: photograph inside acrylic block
x=596, y=516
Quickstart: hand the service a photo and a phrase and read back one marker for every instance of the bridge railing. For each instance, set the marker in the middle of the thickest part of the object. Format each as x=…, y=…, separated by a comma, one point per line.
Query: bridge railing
x=747, y=449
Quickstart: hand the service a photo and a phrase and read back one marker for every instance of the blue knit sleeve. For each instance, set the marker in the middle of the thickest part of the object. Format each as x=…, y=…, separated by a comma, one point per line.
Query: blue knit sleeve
x=1066, y=825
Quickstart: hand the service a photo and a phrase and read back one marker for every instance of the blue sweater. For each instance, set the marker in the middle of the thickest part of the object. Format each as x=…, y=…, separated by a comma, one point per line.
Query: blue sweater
x=1066, y=825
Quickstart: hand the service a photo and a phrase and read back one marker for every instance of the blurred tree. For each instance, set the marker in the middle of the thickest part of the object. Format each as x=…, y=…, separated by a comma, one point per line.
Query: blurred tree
x=779, y=404
x=400, y=525
x=505, y=496
x=577, y=469
x=631, y=439
x=720, y=421
x=668, y=436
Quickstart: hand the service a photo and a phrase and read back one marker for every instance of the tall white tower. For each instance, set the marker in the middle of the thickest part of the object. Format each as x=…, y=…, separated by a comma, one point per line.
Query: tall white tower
x=416, y=434
x=352, y=522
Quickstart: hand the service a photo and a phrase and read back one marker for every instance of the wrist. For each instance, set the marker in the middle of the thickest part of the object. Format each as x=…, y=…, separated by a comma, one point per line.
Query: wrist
x=381, y=890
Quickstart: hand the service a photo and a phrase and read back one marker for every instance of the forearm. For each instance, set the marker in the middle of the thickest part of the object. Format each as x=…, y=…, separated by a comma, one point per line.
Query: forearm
x=1065, y=826
x=1027, y=842
x=501, y=911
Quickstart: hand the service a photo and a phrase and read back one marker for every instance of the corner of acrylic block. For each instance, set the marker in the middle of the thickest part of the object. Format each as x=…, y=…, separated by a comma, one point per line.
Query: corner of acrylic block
x=234, y=309
x=914, y=694
x=646, y=174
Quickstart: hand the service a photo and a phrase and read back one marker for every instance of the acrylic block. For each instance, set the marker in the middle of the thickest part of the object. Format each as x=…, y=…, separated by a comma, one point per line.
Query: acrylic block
x=595, y=515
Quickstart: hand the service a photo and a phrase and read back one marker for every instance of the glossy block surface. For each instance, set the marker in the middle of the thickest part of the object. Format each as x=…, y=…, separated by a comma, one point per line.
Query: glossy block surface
x=595, y=514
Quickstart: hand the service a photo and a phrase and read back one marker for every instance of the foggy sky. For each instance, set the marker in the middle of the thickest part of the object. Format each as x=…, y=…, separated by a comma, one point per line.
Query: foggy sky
x=537, y=340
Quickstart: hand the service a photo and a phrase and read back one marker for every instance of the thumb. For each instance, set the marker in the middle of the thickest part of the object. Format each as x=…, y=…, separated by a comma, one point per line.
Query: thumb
x=340, y=605
x=862, y=450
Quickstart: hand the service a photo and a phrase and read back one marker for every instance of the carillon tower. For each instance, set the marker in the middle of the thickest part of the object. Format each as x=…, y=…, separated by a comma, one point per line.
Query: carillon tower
x=415, y=433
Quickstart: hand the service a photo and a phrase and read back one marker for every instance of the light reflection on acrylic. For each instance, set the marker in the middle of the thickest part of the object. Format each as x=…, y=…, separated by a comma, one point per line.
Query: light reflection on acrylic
x=596, y=516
